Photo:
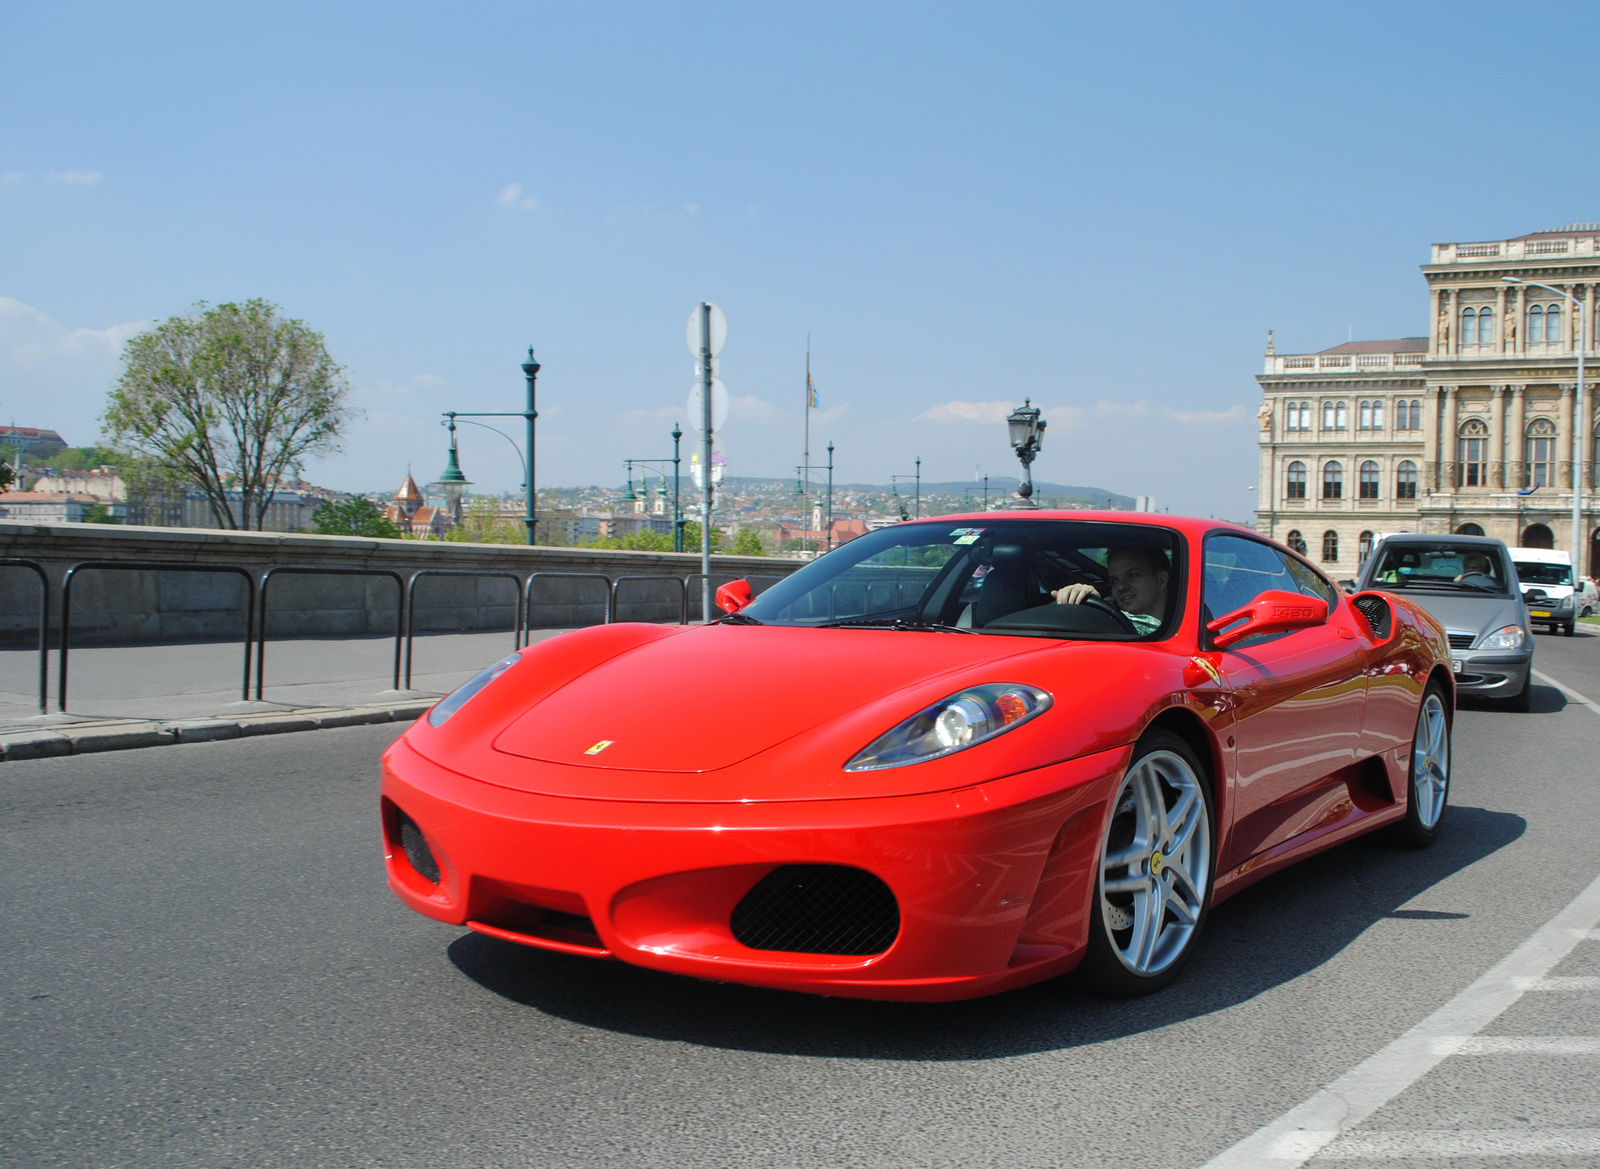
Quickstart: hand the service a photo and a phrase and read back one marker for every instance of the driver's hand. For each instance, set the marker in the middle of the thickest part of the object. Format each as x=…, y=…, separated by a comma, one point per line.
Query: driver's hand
x=1075, y=594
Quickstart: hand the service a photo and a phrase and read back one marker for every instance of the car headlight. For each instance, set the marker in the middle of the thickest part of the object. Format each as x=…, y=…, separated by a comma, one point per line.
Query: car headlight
x=1565, y=602
x=953, y=724
x=456, y=699
x=1511, y=637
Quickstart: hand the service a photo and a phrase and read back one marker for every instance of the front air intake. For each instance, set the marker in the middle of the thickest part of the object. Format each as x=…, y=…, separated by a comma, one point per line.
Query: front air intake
x=818, y=909
x=417, y=850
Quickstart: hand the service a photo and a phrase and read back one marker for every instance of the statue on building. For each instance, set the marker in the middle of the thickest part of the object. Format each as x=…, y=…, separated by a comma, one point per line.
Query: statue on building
x=1444, y=332
x=1509, y=331
x=1264, y=415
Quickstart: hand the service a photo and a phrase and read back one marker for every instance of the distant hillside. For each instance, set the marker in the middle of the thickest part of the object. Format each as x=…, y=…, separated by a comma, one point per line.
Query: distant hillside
x=999, y=487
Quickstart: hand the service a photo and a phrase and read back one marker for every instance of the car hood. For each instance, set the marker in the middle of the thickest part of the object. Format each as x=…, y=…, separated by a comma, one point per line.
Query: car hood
x=712, y=697
x=1479, y=614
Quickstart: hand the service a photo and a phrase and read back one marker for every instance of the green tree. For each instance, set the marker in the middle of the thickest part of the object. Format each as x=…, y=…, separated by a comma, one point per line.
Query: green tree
x=99, y=513
x=7, y=476
x=353, y=517
x=83, y=458
x=748, y=543
x=231, y=396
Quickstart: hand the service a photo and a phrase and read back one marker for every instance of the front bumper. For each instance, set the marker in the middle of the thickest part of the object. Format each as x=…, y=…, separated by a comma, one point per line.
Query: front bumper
x=1491, y=673
x=993, y=882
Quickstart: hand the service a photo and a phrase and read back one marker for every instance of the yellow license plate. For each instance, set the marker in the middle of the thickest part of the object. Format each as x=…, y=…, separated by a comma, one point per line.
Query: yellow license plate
x=1538, y=612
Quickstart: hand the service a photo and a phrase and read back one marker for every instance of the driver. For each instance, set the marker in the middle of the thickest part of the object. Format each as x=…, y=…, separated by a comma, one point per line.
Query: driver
x=1476, y=564
x=1138, y=585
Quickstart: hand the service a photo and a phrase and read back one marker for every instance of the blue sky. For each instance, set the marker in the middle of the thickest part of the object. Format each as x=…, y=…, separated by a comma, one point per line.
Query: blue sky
x=1103, y=208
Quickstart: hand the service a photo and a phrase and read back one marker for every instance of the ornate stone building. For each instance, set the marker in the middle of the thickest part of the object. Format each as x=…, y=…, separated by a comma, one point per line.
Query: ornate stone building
x=1469, y=429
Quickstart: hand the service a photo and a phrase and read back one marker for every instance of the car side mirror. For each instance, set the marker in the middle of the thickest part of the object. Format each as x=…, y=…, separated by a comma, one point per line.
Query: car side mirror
x=1274, y=611
x=734, y=595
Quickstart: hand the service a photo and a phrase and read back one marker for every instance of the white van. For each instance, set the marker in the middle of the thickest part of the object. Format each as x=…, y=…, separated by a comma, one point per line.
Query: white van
x=1549, y=587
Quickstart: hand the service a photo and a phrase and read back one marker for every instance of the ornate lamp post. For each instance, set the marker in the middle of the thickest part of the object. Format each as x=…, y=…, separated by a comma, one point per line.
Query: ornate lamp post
x=530, y=370
x=1027, y=435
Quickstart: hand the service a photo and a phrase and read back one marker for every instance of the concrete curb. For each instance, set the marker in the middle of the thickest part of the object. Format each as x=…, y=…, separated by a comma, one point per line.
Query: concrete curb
x=127, y=734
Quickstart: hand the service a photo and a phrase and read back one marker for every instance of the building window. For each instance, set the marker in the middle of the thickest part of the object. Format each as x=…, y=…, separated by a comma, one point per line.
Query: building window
x=1327, y=416
x=1405, y=480
x=1469, y=530
x=1330, y=546
x=1544, y=323
x=1472, y=453
x=1535, y=323
x=1334, y=415
x=1364, y=547
x=1338, y=416
x=1332, y=481
x=1364, y=415
x=1541, y=453
x=1297, y=416
x=1485, y=326
x=1369, y=480
x=1295, y=483
x=1401, y=420
x=1538, y=536
x=1305, y=415
x=1377, y=415
x=1416, y=415
x=1296, y=542
x=1469, y=326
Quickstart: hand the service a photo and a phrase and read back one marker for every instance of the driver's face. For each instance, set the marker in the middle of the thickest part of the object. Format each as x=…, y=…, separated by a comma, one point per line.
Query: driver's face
x=1134, y=587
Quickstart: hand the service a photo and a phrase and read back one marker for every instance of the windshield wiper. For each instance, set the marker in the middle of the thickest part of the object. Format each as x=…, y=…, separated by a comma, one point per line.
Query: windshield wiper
x=896, y=623
x=738, y=619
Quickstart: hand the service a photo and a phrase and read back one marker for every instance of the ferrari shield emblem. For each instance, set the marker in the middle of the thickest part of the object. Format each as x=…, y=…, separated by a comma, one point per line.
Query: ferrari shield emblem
x=599, y=747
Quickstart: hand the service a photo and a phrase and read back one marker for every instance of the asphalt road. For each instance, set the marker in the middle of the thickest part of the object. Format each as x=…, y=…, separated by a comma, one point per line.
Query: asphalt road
x=202, y=966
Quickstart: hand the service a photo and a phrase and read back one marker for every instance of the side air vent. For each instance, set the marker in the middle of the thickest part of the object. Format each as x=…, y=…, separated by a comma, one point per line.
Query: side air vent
x=417, y=850
x=1378, y=614
x=818, y=909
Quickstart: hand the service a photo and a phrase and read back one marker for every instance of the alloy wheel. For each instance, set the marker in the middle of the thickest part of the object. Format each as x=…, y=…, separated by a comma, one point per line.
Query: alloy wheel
x=1155, y=863
x=1430, y=761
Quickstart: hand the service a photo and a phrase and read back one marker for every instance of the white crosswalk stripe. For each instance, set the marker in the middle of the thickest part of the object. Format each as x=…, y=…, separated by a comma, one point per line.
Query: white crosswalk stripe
x=1530, y=1045
x=1447, y=1144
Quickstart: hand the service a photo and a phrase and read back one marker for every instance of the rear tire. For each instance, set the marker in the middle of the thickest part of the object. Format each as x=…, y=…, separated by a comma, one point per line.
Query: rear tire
x=1428, y=782
x=1153, y=872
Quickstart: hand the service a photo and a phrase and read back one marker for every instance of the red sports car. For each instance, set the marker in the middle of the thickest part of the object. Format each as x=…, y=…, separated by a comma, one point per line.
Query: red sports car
x=948, y=758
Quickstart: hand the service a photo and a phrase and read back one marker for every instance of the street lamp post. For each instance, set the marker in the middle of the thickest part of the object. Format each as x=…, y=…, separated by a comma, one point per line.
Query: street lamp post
x=659, y=465
x=1027, y=436
x=830, y=496
x=530, y=369
x=1580, y=422
x=894, y=481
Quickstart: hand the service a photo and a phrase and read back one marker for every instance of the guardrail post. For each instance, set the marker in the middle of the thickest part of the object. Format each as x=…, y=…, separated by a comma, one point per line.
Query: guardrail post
x=527, y=607
x=411, y=605
x=310, y=570
x=44, y=624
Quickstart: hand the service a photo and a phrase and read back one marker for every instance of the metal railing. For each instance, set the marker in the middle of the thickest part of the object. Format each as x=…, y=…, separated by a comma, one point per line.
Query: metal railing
x=152, y=566
x=683, y=594
x=527, y=595
x=308, y=570
x=44, y=623
x=411, y=605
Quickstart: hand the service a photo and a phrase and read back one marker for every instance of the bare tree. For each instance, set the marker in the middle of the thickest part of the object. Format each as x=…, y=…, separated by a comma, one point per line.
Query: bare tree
x=230, y=398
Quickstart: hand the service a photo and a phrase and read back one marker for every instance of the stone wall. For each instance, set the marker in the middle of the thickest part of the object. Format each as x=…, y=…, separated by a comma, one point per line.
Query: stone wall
x=140, y=605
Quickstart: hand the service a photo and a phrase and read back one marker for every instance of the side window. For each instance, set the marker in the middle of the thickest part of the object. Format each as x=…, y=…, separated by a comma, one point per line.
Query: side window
x=1238, y=570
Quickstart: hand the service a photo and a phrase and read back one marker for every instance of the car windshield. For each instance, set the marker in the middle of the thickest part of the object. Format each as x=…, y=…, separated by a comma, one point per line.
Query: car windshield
x=991, y=575
x=1535, y=573
x=1442, y=565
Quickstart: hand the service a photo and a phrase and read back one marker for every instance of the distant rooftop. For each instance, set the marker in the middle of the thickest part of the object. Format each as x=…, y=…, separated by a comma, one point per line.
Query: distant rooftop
x=1569, y=229
x=1403, y=345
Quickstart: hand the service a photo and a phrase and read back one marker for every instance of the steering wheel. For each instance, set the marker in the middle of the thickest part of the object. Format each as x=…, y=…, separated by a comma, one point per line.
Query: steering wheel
x=1096, y=601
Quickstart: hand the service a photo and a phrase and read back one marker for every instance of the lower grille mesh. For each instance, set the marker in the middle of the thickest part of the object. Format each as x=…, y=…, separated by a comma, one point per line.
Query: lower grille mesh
x=1462, y=640
x=818, y=909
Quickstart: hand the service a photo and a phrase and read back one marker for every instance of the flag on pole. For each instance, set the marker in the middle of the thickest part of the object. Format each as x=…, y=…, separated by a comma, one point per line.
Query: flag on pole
x=811, y=393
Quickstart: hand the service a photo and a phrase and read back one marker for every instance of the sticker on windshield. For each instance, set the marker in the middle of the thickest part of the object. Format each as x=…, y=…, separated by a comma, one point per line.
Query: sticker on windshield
x=966, y=535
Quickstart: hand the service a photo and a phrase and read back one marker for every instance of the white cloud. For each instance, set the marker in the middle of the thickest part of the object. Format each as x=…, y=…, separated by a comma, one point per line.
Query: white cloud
x=11, y=176
x=77, y=178
x=512, y=196
x=751, y=408
x=37, y=338
x=967, y=412
x=693, y=208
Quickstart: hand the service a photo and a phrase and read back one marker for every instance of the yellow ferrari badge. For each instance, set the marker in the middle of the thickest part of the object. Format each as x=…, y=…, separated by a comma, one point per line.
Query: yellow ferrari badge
x=599, y=747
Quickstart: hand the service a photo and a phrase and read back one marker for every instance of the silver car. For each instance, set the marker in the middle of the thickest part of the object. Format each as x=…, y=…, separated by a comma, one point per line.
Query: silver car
x=1470, y=586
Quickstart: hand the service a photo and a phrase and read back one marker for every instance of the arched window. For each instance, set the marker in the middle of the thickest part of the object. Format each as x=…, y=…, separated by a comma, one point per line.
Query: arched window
x=1338, y=416
x=1369, y=480
x=1327, y=416
x=1469, y=326
x=1364, y=415
x=1364, y=547
x=1405, y=480
x=1541, y=453
x=1294, y=486
x=1552, y=322
x=1296, y=542
x=1536, y=324
x=1416, y=414
x=1330, y=545
x=1305, y=415
x=1469, y=530
x=1485, y=326
x=1401, y=420
x=1538, y=536
x=1472, y=453
x=1332, y=481
x=1377, y=415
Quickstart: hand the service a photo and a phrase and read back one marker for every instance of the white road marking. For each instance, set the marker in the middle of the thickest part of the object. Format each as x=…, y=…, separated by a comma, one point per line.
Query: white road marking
x=1309, y=1128
x=1565, y=689
x=1449, y=1144
x=1581, y=982
x=1530, y=1045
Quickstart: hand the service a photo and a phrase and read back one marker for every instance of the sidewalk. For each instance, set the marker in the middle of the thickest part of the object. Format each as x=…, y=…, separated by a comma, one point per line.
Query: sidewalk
x=125, y=696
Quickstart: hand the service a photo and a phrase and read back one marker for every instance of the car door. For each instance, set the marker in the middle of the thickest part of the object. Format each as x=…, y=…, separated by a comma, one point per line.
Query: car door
x=1298, y=698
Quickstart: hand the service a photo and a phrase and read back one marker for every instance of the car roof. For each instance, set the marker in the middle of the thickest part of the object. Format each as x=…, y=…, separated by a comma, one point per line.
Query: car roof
x=1189, y=525
x=1541, y=555
x=1422, y=538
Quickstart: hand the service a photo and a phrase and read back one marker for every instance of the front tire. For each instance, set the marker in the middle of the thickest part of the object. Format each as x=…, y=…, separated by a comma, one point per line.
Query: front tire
x=1153, y=879
x=1428, y=785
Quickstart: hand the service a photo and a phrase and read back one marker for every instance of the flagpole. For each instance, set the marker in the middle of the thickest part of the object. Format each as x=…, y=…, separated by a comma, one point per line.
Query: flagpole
x=805, y=462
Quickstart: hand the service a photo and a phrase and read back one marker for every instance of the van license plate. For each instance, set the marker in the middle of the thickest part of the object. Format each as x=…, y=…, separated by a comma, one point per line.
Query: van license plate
x=1538, y=612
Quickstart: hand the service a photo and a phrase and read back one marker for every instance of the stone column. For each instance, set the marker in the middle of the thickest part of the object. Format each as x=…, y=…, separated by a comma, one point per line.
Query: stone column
x=1497, y=437
x=1430, y=442
x=1447, y=439
x=1514, y=324
x=1588, y=295
x=1516, y=427
x=1564, y=436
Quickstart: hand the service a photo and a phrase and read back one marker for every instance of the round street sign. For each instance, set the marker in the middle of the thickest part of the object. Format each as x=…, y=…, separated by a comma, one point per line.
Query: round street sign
x=719, y=406
x=719, y=331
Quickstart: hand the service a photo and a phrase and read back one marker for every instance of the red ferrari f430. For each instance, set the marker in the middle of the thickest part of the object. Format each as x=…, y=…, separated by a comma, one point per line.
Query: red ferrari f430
x=948, y=758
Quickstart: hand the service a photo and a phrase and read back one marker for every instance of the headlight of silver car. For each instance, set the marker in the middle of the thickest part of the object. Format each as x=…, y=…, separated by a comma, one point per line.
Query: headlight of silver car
x=456, y=699
x=953, y=724
x=1511, y=637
